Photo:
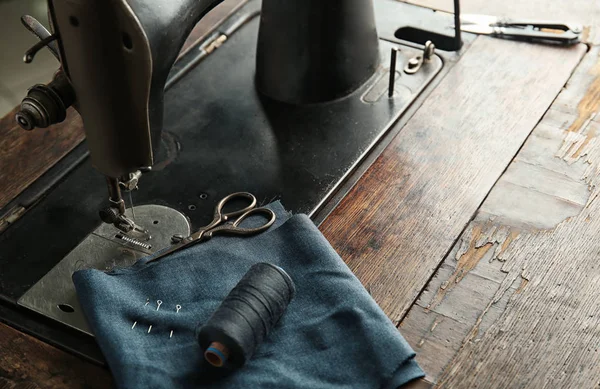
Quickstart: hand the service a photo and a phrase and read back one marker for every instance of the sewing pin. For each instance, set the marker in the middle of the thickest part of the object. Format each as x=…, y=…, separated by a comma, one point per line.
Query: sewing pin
x=159, y=302
x=150, y=328
x=135, y=322
x=177, y=307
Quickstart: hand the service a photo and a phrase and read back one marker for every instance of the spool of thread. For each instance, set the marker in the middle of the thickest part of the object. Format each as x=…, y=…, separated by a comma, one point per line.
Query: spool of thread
x=244, y=319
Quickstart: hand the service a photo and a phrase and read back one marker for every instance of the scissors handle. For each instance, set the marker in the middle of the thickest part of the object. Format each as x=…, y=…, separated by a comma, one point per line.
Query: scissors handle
x=234, y=228
x=220, y=225
x=225, y=216
x=539, y=24
x=567, y=37
x=220, y=217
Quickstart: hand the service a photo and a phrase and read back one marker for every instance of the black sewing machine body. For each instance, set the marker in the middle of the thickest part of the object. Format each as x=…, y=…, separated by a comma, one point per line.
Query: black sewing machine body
x=229, y=127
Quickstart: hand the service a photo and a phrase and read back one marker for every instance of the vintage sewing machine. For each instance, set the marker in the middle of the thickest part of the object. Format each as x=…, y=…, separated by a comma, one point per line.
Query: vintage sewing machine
x=291, y=102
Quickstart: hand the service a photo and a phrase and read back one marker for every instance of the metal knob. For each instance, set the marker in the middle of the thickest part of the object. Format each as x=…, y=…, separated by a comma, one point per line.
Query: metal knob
x=46, y=105
x=109, y=215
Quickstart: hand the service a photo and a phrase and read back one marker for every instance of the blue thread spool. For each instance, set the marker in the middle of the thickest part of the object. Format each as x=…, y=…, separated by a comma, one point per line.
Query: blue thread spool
x=246, y=316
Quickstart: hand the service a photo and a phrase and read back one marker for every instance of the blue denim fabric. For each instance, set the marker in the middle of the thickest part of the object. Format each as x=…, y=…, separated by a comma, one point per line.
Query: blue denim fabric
x=333, y=335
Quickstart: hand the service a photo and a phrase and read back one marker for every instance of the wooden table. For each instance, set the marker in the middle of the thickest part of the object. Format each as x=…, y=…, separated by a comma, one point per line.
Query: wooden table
x=475, y=230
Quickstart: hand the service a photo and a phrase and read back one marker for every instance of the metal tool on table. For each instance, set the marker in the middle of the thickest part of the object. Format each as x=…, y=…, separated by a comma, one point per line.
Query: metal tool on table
x=522, y=29
x=223, y=223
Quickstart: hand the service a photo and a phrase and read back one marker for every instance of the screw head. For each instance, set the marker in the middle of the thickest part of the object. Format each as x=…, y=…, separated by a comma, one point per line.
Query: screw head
x=176, y=238
x=412, y=63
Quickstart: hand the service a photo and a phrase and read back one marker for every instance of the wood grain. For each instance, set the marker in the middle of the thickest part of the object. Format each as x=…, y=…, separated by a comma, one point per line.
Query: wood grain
x=547, y=185
x=399, y=221
x=546, y=331
x=26, y=155
x=25, y=362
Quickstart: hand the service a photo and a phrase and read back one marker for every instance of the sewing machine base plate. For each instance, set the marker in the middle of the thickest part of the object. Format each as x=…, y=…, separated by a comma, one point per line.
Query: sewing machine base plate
x=54, y=295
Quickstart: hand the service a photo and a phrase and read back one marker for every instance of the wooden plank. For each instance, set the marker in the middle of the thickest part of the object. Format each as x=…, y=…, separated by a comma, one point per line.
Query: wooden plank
x=585, y=12
x=546, y=336
x=399, y=221
x=502, y=263
x=26, y=155
x=25, y=362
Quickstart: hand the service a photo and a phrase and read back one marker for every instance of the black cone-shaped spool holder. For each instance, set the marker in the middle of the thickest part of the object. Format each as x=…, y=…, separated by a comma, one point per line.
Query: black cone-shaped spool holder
x=314, y=51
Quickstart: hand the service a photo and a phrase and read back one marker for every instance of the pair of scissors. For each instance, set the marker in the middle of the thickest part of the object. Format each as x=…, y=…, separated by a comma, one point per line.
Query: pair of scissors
x=522, y=29
x=225, y=223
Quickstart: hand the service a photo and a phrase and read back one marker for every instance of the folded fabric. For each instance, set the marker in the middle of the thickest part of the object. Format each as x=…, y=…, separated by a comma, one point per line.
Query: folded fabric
x=333, y=334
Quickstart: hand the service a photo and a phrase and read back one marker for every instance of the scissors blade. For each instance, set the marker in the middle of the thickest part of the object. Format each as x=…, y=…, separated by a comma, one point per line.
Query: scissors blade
x=496, y=21
x=477, y=29
x=478, y=19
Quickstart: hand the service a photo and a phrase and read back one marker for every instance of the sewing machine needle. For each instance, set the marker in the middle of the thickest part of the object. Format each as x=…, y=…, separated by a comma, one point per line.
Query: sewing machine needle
x=131, y=203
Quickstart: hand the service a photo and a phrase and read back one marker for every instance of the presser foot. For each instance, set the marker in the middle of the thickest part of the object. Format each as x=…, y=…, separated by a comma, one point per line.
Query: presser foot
x=113, y=215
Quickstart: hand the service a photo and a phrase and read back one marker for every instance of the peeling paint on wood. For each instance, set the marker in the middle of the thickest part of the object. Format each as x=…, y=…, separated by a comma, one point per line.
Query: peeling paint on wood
x=547, y=335
x=467, y=261
x=524, y=282
x=588, y=106
x=529, y=290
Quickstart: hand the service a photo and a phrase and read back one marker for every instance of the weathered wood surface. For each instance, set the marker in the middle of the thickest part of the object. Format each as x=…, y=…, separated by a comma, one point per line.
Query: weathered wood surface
x=515, y=303
x=405, y=214
x=545, y=186
x=25, y=362
x=400, y=220
x=26, y=155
